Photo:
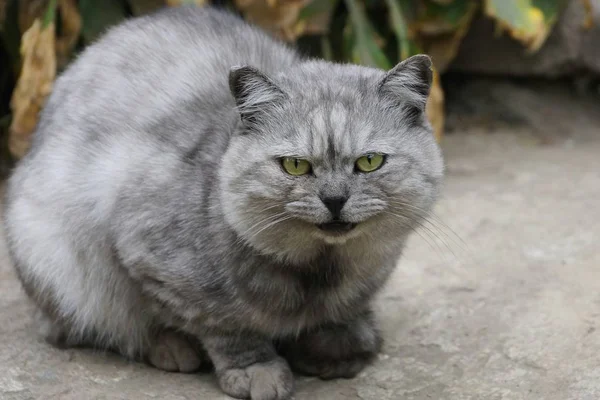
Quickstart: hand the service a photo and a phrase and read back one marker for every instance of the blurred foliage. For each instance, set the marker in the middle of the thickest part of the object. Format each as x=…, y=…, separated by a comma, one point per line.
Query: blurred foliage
x=39, y=37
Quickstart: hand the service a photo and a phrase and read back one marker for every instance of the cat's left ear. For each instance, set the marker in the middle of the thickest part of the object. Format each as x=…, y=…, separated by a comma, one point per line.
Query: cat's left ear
x=254, y=93
x=409, y=83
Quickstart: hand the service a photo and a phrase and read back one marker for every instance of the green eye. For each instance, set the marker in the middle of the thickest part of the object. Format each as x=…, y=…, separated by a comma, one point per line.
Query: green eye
x=369, y=162
x=295, y=166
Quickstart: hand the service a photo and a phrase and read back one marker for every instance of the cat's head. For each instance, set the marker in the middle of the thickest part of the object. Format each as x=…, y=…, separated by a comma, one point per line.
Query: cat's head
x=329, y=154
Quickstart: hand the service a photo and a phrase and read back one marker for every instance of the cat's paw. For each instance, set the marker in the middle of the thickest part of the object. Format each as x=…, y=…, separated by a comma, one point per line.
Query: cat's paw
x=272, y=380
x=174, y=352
x=335, y=351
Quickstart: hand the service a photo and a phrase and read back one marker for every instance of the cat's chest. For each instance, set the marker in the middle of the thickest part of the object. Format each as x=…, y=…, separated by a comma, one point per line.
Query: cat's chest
x=340, y=279
x=330, y=288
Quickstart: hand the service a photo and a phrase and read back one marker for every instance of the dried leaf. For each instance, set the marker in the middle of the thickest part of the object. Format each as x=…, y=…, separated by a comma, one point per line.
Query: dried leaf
x=435, y=107
x=34, y=84
x=588, y=20
x=279, y=17
x=30, y=10
x=71, y=27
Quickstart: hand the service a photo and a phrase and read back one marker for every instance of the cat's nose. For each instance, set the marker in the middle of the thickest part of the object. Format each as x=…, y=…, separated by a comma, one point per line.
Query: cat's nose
x=335, y=205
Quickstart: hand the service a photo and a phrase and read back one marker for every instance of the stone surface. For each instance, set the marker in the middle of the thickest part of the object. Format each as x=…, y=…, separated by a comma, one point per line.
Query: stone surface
x=568, y=49
x=498, y=298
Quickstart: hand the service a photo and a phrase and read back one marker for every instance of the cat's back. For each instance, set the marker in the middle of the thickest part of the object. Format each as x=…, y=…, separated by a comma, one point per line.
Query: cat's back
x=152, y=66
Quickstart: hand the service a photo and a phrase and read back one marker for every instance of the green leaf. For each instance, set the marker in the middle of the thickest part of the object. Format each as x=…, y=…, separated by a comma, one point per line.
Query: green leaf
x=316, y=7
x=365, y=51
x=316, y=16
x=528, y=21
x=326, y=50
x=349, y=41
x=550, y=8
x=400, y=28
x=50, y=14
x=98, y=15
x=452, y=13
x=512, y=12
x=139, y=7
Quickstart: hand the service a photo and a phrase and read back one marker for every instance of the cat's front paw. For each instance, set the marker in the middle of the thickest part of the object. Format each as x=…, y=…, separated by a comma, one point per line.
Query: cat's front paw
x=331, y=368
x=271, y=380
x=335, y=351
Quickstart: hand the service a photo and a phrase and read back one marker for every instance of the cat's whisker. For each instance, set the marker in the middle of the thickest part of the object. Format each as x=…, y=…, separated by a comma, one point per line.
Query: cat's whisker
x=448, y=232
x=264, y=220
x=427, y=235
x=449, y=241
x=435, y=222
x=247, y=231
x=422, y=224
x=404, y=222
x=271, y=207
x=430, y=214
x=271, y=224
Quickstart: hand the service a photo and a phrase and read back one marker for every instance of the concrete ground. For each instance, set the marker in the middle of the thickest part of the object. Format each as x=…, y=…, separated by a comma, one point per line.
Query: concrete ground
x=499, y=298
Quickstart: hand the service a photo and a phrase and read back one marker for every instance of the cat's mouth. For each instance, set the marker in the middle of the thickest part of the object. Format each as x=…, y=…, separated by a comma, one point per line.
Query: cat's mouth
x=337, y=227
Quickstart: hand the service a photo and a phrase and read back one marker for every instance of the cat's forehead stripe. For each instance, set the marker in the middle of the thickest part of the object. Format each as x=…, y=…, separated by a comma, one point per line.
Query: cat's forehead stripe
x=339, y=133
x=318, y=127
x=330, y=123
x=330, y=131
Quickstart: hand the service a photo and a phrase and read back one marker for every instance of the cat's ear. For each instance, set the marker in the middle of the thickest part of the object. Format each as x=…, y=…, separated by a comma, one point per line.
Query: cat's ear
x=254, y=92
x=408, y=83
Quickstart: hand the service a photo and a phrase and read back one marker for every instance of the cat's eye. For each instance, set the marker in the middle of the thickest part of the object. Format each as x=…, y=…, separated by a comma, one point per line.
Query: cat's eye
x=295, y=166
x=370, y=162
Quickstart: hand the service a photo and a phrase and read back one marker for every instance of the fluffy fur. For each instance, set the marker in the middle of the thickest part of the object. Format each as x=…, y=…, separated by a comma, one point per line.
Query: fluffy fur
x=152, y=215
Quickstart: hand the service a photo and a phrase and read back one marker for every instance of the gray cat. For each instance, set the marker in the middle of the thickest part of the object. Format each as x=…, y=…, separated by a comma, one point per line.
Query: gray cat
x=199, y=193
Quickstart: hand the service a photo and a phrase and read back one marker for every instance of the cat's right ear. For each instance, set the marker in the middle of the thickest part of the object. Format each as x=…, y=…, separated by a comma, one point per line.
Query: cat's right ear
x=408, y=84
x=254, y=93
